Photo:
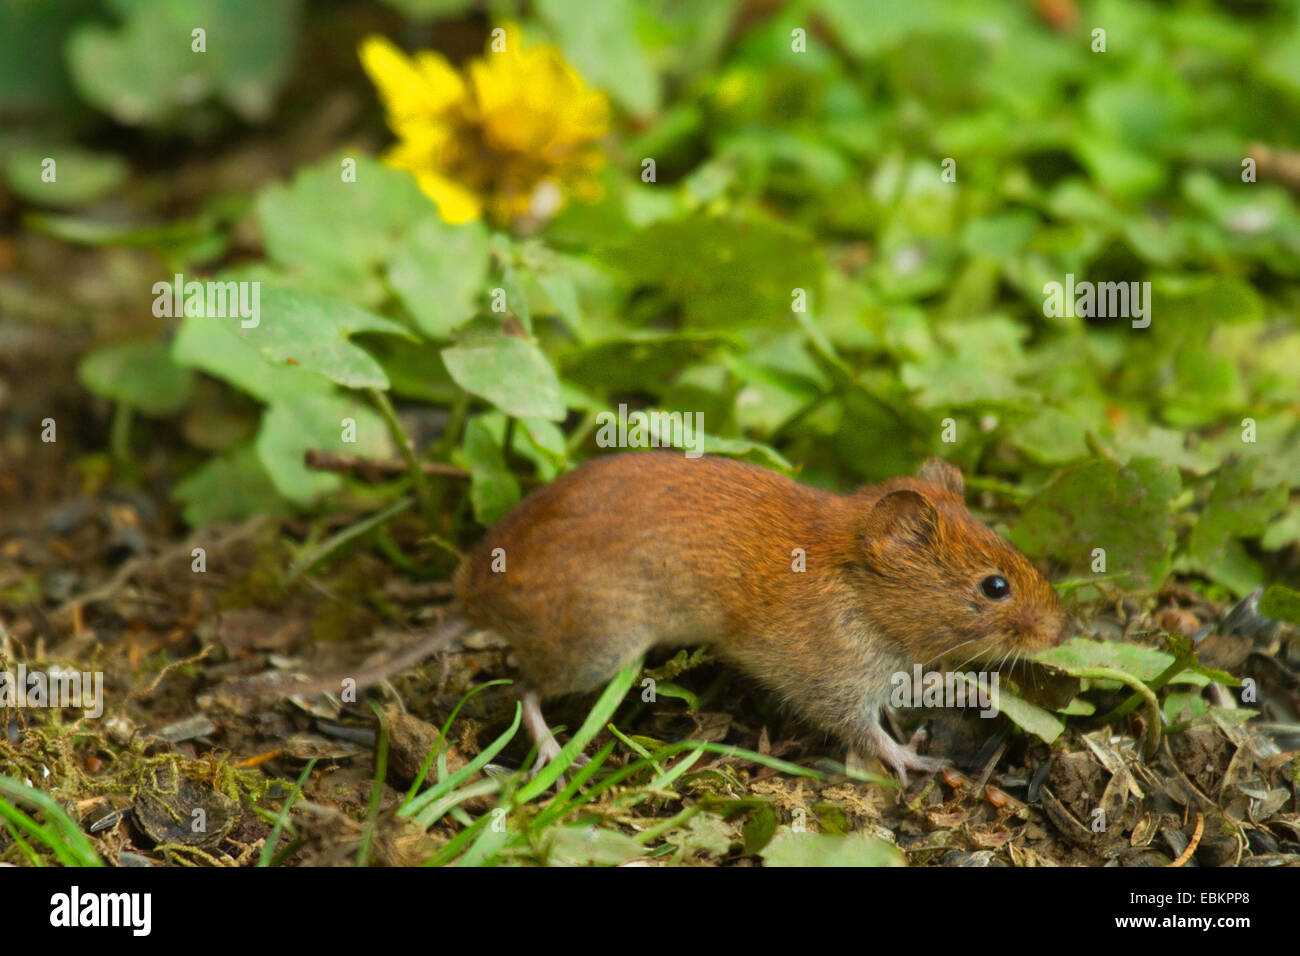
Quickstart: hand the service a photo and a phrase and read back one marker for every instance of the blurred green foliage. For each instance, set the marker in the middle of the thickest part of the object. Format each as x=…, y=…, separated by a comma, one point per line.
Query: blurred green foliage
x=840, y=260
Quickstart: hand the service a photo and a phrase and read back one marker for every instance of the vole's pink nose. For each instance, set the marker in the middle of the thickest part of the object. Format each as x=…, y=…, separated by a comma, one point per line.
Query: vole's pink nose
x=1065, y=633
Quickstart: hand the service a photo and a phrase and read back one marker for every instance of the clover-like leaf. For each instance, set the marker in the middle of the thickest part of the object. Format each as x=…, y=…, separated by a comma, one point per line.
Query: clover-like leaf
x=724, y=273
x=232, y=486
x=789, y=848
x=293, y=424
x=1235, y=509
x=511, y=373
x=341, y=230
x=75, y=175
x=438, y=272
x=493, y=489
x=213, y=347
x=139, y=374
x=1125, y=510
x=314, y=332
x=148, y=70
x=1137, y=660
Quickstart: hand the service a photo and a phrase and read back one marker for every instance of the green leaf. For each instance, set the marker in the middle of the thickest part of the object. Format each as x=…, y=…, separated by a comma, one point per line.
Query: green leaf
x=438, y=272
x=511, y=373
x=1050, y=437
x=146, y=72
x=868, y=29
x=213, y=347
x=415, y=371
x=979, y=363
x=788, y=848
x=1121, y=170
x=1283, y=532
x=600, y=40
x=588, y=845
x=312, y=332
x=493, y=489
x=743, y=448
x=510, y=273
x=139, y=374
x=759, y=828
x=1126, y=510
x=34, y=78
x=1281, y=64
x=1030, y=717
x=543, y=443
x=666, y=688
x=230, y=487
x=80, y=176
x=636, y=361
x=563, y=293
x=293, y=424
x=1281, y=604
x=1137, y=660
x=1205, y=301
x=1189, y=704
x=1235, y=509
x=340, y=234
x=724, y=273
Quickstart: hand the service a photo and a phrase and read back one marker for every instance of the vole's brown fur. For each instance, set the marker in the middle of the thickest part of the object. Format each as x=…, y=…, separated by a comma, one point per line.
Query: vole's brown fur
x=643, y=549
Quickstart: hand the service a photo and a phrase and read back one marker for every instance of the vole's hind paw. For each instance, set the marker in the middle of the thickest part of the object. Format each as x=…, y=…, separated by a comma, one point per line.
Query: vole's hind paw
x=548, y=748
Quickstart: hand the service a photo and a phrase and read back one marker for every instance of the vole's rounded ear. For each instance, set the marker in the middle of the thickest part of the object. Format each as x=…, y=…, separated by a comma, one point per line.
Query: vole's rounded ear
x=901, y=519
x=938, y=472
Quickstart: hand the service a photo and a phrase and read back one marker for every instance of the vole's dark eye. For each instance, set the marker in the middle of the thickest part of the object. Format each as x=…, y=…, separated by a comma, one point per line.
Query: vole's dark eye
x=995, y=587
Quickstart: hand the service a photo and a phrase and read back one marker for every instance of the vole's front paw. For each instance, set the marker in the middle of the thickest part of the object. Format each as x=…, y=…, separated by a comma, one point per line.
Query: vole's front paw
x=900, y=758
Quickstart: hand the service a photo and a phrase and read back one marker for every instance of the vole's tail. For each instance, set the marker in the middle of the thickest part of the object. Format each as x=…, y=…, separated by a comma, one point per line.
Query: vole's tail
x=423, y=646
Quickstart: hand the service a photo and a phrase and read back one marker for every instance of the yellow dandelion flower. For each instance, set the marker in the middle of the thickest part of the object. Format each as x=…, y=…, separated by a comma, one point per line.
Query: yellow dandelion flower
x=509, y=138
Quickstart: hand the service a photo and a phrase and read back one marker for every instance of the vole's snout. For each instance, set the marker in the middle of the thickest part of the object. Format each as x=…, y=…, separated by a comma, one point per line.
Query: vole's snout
x=1044, y=629
x=1065, y=632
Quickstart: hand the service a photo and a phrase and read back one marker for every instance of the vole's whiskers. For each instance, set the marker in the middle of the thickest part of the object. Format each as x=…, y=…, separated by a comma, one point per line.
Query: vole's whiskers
x=935, y=657
x=968, y=660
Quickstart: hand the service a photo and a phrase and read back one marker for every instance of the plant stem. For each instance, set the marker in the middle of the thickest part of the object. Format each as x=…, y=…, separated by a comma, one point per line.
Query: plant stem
x=404, y=446
x=1153, y=728
x=120, y=436
x=655, y=832
x=442, y=451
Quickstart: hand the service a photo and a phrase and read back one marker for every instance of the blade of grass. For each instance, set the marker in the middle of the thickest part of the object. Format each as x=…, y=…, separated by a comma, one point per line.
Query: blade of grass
x=631, y=744
x=670, y=749
x=32, y=856
x=613, y=695
x=336, y=542
x=289, y=850
x=70, y=845
x=489, y=844
x=667, y=778
x=442, y=740
x=649, y=836
x=415, y=805
x=462, y=839
x=560, y=805
x=431, y=815
x=486, y=843
x=376, y=789
x=268, y=848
